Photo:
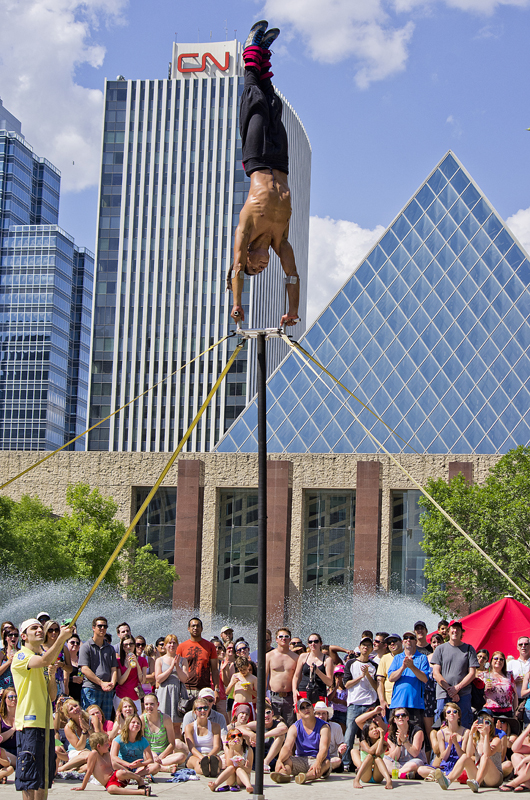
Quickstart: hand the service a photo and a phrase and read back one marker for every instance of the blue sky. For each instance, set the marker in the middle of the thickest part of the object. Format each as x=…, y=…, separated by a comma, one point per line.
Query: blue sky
x=384, y=89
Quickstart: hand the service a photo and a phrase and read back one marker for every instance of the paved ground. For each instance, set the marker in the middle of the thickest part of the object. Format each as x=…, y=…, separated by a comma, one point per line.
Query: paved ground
x=337, y=786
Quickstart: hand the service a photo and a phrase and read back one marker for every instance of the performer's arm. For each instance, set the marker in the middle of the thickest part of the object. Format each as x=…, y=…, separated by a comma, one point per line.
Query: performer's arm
x=241, y=240
x=285, y=252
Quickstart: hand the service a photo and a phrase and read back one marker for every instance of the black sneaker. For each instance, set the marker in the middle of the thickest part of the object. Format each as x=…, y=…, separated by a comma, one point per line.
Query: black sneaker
x=269, y=37
x=256, y=33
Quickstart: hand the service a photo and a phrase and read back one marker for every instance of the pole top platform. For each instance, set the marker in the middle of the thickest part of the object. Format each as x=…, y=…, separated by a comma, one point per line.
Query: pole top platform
x=253, y=333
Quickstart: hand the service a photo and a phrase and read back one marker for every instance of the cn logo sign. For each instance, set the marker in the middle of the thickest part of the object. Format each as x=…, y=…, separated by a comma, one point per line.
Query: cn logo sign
x=202, y=67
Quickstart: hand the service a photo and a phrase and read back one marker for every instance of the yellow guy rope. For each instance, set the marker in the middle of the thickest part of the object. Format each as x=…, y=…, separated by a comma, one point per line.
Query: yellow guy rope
x=42, y=460
x=159, y=481
x=295, y=346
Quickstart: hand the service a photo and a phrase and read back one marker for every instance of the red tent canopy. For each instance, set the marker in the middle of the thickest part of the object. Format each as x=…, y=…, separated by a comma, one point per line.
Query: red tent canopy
x=498, y=626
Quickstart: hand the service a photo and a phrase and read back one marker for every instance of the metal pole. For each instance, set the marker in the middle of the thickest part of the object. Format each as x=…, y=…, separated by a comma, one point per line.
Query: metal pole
x=262, y=562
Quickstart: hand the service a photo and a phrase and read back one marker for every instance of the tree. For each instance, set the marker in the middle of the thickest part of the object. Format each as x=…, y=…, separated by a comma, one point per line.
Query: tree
x=31, y=540
x=149, y=578
x=496, y=515
x=91, y=532
x=39, y=544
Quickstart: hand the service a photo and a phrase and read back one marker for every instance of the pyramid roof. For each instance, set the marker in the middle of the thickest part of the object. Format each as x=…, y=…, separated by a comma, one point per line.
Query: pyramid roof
x=431, y=331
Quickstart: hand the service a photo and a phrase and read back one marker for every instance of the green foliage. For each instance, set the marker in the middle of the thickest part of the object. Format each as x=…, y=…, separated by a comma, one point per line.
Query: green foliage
x=31, y=539
x=149, y=577
x=78, y=545
x=496, y=514
x=91, y=532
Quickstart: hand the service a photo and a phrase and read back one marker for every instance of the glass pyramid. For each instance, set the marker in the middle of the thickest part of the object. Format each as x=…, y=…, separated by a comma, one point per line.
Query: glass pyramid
x=431, y=331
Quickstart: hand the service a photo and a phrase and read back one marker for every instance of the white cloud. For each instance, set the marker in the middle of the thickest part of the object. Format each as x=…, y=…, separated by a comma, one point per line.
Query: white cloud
x=340, y=29
x=455, y=125
x=336, y=248
x=519, y=224
x=42, y=42
x=368, y=31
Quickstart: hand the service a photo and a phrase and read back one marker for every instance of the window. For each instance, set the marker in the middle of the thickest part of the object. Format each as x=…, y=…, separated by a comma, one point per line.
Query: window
x=237, y=564
x=157, y=524
x=407, y=558
x=329, y=531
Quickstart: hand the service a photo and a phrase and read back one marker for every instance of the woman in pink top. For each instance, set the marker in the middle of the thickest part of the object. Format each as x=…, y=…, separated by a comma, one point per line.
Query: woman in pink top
x=500, y=691
x=132, y=670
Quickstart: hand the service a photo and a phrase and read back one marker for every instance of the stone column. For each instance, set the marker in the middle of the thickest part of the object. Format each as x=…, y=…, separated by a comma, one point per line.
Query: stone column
x=465, y=467
x=367, y=525
x=279, y=500
x=188, y=533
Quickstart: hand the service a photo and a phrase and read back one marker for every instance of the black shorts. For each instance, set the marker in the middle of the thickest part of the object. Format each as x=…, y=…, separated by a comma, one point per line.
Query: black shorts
x=263, y=136
x=29, y=774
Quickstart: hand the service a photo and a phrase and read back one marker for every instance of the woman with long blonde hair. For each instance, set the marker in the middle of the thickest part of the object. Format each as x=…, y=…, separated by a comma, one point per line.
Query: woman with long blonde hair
x=171, y=671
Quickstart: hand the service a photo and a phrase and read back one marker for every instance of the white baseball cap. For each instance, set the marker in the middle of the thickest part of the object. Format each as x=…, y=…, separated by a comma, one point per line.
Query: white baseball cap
x=25, y=625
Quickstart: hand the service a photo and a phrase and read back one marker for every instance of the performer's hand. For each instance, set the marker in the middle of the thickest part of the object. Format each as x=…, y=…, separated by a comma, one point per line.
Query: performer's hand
x=238, y=314
x=288, y=320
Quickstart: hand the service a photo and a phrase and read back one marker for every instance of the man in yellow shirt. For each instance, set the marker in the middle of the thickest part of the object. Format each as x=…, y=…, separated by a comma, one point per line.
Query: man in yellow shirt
x=35, y=691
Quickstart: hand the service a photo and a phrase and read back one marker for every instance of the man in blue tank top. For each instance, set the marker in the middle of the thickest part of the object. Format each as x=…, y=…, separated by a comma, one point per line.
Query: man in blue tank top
x=309, y=737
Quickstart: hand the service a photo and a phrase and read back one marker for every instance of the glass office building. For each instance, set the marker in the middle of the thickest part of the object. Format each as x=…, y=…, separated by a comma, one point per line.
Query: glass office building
x=45, y=305
x=431, y=332
x=172, y=187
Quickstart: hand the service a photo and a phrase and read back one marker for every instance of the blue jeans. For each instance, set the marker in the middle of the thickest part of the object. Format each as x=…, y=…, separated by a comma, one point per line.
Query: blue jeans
x=98, y=697
x=465, y=707
x=352, y=729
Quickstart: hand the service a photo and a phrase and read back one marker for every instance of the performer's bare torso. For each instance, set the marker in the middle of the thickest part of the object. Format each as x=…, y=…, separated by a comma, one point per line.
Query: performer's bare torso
x=267, y=209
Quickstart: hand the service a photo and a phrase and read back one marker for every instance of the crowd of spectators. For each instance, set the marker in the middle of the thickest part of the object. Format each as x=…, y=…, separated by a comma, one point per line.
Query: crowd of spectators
x=395, y=707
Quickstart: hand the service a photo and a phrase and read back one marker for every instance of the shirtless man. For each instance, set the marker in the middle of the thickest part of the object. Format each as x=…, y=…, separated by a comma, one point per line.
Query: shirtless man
x=264, y=219
x=281, y=664
x=99, y=765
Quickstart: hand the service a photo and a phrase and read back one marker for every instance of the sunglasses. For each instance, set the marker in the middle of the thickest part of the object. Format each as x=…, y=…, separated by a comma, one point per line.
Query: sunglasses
x=409, y=638
x=11, y=697
x=140, y=644
x=53, y=630
x=297, y=644
x=400, y=716
x=234, y=736
x=11, y=635
x=202, y=708
x=451, y=711
x=101, y=625
x=313, y=641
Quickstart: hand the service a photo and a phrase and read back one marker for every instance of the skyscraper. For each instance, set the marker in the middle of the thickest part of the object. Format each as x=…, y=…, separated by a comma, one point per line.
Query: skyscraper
x=45, y=304
x=172, y=187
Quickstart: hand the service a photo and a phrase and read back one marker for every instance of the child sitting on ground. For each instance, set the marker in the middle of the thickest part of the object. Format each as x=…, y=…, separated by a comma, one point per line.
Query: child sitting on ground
x=371, y=767
x=238, y=758
x=99, y=764
x=244, y=684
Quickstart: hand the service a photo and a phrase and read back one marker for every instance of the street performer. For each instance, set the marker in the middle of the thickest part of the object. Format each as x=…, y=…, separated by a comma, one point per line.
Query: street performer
x=264, y=219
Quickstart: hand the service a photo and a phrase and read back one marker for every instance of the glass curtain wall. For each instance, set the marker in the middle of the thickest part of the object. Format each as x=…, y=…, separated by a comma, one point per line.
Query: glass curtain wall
x=157, y=524
x=407, y=557
x=329, y=538
x=237, y=564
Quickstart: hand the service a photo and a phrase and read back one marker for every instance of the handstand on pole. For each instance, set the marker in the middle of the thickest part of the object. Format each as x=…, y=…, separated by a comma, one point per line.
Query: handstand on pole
x=264, y=219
